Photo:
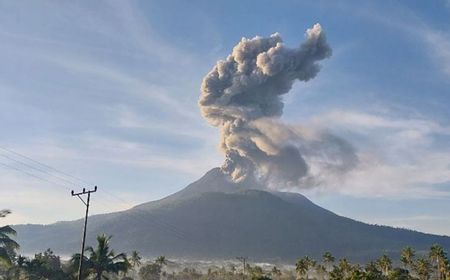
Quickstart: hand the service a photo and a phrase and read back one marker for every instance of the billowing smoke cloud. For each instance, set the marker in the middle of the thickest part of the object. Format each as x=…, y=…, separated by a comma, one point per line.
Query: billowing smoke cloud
x=242, y=95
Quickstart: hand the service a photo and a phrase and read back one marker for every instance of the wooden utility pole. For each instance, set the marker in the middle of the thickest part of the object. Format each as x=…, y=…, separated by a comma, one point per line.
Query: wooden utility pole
x=80, y=268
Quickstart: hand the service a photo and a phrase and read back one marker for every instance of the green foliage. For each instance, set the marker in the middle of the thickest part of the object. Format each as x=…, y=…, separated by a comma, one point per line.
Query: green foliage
x=337, y=273
x=328, y=258
x=7, y=244
x=102, y=263
x=161, y=260
x=423, y=268
x=407, y=257
x=255, y=272
x=385, y=264
x=372, y=271
x=101, y=260
x=188, y=274
x=399, y=274
x=261, y=278
x=275, y=271
x=438, y=259
x=45, y=266
x=434, y=266
x=303, y=265
x=135, y=259
x=150, y=271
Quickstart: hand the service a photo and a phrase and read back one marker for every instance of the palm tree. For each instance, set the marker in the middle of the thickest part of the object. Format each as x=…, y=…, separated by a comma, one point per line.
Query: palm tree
x=328, y=260
x=356, y=272
x=304, y=265
x=437, y=256
x=423, y=268
x=301, y=267
x=372, y=271
x=345, y=266
x=161, y=260
x=102, y=259
x=447, y=269
x=275, y=271
x=407, y=257
x=321, y=271
x=135, y=259
x=385, y=264
x=7, y=245
x=311, y=264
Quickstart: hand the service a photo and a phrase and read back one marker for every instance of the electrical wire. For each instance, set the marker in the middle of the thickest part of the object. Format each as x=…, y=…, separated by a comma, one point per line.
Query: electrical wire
x=142, y=215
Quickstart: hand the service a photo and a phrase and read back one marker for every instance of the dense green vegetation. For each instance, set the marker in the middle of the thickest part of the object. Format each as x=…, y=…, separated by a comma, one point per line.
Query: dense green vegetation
x=101, y=262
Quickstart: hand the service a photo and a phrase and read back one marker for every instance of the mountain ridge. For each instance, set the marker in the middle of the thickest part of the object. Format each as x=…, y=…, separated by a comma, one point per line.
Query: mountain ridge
x=216, y=218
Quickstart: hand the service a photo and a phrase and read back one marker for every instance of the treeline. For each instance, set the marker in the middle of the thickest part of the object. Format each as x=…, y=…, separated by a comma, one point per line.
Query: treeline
x=101, y=262
x=433, y=265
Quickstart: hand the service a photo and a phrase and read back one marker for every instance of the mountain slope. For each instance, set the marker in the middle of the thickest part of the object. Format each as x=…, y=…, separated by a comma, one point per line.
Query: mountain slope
x=215, y=218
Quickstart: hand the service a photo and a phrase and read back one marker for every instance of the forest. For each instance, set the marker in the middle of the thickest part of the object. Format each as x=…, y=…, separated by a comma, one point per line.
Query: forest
x=102, y=262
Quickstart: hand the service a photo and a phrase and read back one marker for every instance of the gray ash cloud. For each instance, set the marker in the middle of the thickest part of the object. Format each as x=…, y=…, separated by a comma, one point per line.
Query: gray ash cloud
x=242, y=95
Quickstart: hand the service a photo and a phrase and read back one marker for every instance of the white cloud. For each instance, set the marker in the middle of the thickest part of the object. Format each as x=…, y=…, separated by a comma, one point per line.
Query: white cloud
x=439, y=44
x=434, y=224
x=372, y=121
x=397, y=157
x=436, y=42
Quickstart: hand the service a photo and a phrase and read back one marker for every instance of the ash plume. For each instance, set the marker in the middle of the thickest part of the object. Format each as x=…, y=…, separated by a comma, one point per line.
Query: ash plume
x=242, y=95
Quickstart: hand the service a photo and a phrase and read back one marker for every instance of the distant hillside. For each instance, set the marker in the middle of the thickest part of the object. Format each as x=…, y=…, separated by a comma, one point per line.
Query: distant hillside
x=215, y=218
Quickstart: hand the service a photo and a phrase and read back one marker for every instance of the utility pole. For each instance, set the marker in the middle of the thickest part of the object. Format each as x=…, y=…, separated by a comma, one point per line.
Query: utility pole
x=244, y=261
x=80, y=268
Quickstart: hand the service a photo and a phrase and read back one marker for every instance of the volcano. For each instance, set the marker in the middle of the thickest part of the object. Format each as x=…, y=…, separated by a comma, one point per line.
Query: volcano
x=214, y=218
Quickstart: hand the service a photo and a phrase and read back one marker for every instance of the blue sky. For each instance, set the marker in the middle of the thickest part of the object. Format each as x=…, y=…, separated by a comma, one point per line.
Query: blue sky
x=107, y=91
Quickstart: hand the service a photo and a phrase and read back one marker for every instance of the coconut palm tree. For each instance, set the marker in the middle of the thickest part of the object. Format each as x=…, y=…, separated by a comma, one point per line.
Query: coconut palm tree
x=385, y=264
x=311, y=264
x=437, y=257
x=328, y=259
x=321, y=271
x=345, y=266
x=135, y=259
x=423, y=268
x=7, y=245
x=407, y=257
x=303, y=266
x=447, y=269
x=372, y=271
x=161, y=260
x=103, y=260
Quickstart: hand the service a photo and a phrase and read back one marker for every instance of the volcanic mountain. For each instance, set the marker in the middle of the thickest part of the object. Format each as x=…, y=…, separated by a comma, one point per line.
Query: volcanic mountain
x=215, y=218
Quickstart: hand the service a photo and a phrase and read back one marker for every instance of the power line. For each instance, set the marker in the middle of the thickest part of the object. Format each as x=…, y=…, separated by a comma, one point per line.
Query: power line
x=166, y=226
x=136, y=214
x=43, y=164
x=39, y=170
x=32, y=175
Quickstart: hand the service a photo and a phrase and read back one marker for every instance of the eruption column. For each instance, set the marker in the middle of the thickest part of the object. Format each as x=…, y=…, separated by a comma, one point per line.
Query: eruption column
x=242, y=95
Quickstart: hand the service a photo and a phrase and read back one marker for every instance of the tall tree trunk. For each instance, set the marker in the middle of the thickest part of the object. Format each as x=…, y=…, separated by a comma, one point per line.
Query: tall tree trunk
x=99, y=274
x=438, y=268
